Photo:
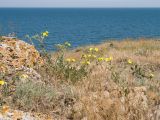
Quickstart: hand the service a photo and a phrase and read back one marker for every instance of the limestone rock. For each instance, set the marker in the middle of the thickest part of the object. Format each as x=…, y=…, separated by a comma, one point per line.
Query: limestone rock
x=15, y=53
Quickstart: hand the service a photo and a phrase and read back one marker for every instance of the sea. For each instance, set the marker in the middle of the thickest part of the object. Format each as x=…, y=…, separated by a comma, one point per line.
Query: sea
x=80, y=26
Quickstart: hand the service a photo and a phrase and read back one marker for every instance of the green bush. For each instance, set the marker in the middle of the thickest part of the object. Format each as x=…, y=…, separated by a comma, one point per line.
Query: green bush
x=59, y=68
x=34, y=96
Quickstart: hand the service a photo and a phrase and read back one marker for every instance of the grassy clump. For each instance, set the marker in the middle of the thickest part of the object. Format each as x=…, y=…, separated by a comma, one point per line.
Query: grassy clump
x=34, y=96
x=39, y=97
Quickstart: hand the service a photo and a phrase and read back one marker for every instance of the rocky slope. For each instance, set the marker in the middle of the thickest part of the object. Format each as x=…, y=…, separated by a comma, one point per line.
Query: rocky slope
x=124, y=88
x=15, y=54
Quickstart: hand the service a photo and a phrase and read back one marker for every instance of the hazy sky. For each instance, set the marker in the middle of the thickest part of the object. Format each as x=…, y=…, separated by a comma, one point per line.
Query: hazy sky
x=79, y=3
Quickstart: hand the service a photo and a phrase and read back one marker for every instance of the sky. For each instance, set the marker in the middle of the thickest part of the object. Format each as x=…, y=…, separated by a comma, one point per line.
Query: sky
x=80, y=3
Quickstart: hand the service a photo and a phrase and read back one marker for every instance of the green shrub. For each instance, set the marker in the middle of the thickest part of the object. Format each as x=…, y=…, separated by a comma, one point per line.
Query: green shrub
x=34, y=96
x=59, y=68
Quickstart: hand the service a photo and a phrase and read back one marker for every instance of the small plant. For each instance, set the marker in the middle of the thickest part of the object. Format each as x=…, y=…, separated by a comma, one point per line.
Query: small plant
x=143, y=52
x=34, y=95
x=115, y=76
x=138, y=71
x=75, y=74
x=1, y=38
x=40, y=38
x=69, y=69
x=64, y=69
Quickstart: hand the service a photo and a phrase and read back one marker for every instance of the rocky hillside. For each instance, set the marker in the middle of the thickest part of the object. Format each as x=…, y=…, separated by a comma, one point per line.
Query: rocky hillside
x=111, y=81
x=15, y=56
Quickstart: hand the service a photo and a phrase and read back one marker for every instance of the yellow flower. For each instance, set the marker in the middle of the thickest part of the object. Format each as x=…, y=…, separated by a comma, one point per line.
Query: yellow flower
x=107, y=59
x=111, y=58
x=89, y=55
x=93, y=49
x=45, y=34
x=24, y=76
x=86, y=62
x=130, y=61
x=73, y=60
x=96, y=49
x=83, y=62
x=151, y=75
x=84, y=56
x=67, y=44
x=94, y=56
x=2, y=82
x=100, y=59
x=90, y=49
x=68, y=60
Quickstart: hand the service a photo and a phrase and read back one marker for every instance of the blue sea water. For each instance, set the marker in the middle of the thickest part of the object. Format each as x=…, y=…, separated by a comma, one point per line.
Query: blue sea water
x=81, y=26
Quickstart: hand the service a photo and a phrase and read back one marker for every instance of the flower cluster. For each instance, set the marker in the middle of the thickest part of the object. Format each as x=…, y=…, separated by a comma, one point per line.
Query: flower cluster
x=130, y=61
x=70, y=60
x=93, y=49
x=86, y=62
x=108, y=59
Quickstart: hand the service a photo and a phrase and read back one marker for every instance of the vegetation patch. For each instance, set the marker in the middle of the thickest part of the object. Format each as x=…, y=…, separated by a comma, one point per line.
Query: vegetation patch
x=113, y=80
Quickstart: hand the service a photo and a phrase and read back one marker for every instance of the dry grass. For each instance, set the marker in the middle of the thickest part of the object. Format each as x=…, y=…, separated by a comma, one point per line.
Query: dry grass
x=113, y=90
x=124, y=96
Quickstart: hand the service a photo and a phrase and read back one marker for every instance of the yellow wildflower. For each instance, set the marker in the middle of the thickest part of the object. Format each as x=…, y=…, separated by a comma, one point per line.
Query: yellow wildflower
x=111, y=58
x=68, y=60
x=2, y=82
x=67, y=44
x=94, y=56
x=107, y=59
x=73, y=60
x=130, y=61
x=83, y=62
x=45, y=34
x=89, y=55
x=151, y=75
x=90, y=49
x=96, y=49
x=84, y=56
x=100, y=59
x=24, y=76
x=86, y=62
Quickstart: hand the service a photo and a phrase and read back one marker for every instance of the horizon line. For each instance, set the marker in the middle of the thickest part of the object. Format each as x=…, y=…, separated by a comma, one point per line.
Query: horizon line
x=82, y=7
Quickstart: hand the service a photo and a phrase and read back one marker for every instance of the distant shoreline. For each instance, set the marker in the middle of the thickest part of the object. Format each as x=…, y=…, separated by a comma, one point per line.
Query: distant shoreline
x=80, y=7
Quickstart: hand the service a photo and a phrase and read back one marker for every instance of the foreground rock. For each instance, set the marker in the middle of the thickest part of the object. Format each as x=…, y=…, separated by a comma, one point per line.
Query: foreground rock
x=18, y=57
x=15, y=54
x=9, y=114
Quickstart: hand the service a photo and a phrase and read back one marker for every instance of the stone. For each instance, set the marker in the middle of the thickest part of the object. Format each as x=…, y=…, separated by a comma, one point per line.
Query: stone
x=15, y=53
